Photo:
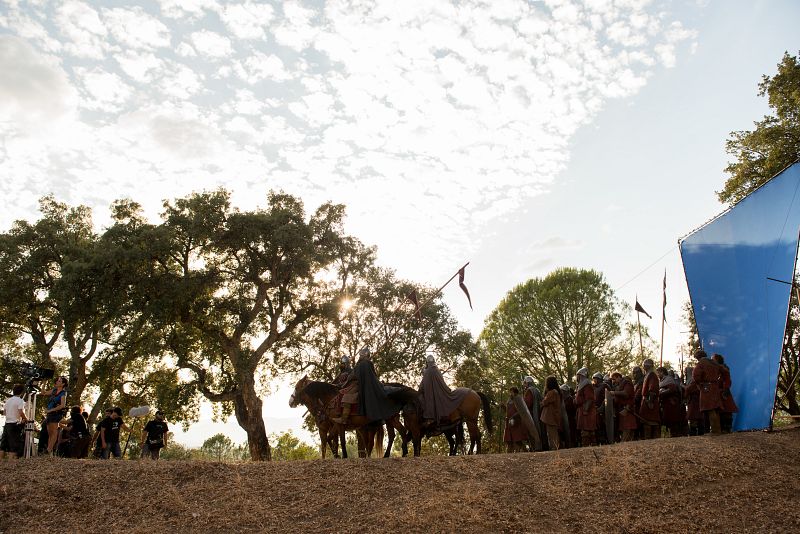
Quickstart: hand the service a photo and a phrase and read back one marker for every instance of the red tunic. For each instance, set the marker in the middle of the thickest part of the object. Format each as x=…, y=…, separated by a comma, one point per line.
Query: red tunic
x=516, y=431
x=624, y=403
x=648, y=408
x=706, y=377
x=728, y=404
x=586, y=418
x=672, y=410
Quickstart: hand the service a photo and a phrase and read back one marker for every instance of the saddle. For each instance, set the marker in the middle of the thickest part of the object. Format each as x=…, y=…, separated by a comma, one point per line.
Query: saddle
x=337, y=406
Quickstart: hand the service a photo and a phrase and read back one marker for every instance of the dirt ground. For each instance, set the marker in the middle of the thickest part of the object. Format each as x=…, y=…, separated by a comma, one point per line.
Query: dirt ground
x=742, y=482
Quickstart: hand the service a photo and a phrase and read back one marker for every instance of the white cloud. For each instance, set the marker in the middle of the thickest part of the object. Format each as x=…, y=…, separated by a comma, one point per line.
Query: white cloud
x=211, y=44
x=106, y=91
x=85, y=33
x=34, y=89
x=248, y=20
x=136, y=29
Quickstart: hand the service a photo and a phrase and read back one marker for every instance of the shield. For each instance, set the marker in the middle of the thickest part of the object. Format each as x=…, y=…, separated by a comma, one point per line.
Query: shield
x=527, y=420
x=535, y=413
x=610, y=430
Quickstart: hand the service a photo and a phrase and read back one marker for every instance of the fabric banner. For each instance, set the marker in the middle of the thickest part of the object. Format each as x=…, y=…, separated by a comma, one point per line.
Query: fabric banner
x=731, y=265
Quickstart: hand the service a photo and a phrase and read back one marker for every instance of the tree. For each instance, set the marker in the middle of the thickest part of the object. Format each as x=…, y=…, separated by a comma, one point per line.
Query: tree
x=375, y=312
x=774, y=143
x=760, y=154
x=237, y=285
x=218, y=447
x=554, y=326
x=289, y=447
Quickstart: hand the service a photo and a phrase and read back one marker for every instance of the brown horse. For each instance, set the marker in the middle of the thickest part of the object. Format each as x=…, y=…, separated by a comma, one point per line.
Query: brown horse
x=467, y=412
x=318, y=398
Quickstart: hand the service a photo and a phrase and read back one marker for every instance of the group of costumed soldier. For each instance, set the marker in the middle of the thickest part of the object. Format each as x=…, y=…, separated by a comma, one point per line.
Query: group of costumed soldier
x=616, y=407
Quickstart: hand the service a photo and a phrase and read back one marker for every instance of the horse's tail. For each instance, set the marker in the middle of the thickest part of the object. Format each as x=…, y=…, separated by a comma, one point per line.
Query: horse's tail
x=487, y=411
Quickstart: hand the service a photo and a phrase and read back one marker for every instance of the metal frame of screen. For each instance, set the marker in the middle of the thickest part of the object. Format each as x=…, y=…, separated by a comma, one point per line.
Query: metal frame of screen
x=738, y=311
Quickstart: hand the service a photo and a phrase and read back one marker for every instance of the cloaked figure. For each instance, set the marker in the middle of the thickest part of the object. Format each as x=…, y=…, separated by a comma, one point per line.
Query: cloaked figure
x=438, y=400
x=728, y=406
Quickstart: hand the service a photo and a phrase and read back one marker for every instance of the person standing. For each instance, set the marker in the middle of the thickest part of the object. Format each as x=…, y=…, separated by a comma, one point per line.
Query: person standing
x=649, y=409
x=98, y=444
x=673, y=414
x=728, y=405
x=109, y=433
x=694, y=416
x=586, y=416
x=515, y=432
x=624, y=399
x=13, y=440
x=706, y=379
x=599, y=388
x=56, y=407
x=533, y=400
x=551, y=411
x=154, y=436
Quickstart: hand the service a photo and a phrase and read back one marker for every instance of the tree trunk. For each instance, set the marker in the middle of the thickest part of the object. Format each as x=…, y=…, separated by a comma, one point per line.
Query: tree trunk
x=247, y=406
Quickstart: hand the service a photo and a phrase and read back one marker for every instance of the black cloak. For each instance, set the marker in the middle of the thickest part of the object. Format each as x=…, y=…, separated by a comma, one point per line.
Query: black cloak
x=376, y=405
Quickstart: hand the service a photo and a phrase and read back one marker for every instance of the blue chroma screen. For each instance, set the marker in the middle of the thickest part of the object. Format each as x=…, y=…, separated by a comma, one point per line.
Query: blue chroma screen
x=740, y=313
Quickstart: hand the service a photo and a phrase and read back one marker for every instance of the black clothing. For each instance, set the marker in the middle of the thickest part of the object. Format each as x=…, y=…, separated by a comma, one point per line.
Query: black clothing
x=112, y=427
x=78, y=427
x=155, y=432
x=376, y=405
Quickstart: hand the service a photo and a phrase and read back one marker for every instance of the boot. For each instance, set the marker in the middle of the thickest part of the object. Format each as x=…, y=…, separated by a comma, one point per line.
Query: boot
x=345, y=414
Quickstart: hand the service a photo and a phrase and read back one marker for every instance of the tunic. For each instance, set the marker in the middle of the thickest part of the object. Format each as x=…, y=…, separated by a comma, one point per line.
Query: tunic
x=585, y=399
x=728, y=404
x=706, y=377
x=551, y=409
x=648, y=408
x=624, y=398
x=672, y=410
x=516, y=431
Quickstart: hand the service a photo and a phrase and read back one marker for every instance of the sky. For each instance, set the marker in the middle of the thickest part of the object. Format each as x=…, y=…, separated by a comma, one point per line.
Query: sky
x=519, y=136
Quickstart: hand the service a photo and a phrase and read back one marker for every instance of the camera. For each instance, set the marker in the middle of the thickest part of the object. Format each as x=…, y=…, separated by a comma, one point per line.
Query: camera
x=33, y=374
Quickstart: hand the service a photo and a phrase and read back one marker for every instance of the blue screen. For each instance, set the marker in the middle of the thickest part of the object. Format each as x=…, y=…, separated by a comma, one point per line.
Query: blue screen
x=740, y=313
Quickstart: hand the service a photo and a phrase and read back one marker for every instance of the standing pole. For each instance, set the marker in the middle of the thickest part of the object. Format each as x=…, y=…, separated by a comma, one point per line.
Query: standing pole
x=639, y=325
x=663, y=318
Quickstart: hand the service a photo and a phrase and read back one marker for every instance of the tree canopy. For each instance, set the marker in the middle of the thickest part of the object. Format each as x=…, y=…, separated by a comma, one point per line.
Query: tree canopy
x=774, y=143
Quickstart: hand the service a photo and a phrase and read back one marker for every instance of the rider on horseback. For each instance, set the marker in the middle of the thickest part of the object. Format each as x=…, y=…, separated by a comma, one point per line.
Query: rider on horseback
x=348, y=385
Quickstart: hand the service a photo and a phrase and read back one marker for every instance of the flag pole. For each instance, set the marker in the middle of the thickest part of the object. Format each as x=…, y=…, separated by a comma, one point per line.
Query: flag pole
x=639, y=327
x=408, y=318
x=663, y=318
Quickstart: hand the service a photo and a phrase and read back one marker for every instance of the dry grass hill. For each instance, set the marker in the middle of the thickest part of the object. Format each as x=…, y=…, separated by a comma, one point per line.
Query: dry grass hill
x=742, y=482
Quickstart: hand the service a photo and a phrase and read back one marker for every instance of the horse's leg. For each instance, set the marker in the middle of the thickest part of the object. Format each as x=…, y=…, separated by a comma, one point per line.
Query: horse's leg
x=340, y=431
x=450, y=442
x=390, y=433
x=323, y=441
x=474, y=435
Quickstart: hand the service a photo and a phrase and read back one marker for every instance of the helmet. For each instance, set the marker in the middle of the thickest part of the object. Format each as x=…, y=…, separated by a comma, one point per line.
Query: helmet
x=528, y=380
x=648, y=363
x=583, y=371
x=565, y=388
x=598, y=375
x=364, y=353
x=430, y=359
x=345, y=359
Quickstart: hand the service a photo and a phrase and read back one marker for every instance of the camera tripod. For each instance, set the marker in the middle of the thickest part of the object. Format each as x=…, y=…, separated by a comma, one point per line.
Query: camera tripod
x=30, y=449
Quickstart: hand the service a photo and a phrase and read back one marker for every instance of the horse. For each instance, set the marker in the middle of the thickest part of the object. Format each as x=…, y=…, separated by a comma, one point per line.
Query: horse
x=467, y=412
x=318, y=397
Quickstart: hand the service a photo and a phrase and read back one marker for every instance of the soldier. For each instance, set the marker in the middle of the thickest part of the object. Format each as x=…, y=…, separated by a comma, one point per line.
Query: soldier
x=551, y=411
x=624, y=399
x=515, y=433
x=533, y=400
x=649, y=410
x=637, y=380
x=728, y=407
x=706, y=378
x=673, y=414
x=600, y=388
x=586, y=410
x=348, y=387
x=697, y=426
x=344, y=372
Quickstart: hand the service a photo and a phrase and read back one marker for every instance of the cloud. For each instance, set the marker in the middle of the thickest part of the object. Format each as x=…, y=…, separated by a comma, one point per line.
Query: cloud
x=429, y=120
x=34, y=89
x=136, y=29
x=211, y=44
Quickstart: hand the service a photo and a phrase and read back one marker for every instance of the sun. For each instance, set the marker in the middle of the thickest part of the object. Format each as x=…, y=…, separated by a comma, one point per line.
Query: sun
x=346, y=304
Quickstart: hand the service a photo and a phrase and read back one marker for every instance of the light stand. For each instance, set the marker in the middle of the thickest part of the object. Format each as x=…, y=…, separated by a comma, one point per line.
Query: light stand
x=30, y=415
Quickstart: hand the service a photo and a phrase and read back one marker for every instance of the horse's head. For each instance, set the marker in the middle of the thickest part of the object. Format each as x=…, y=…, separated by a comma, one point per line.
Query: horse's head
x=294, y=400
